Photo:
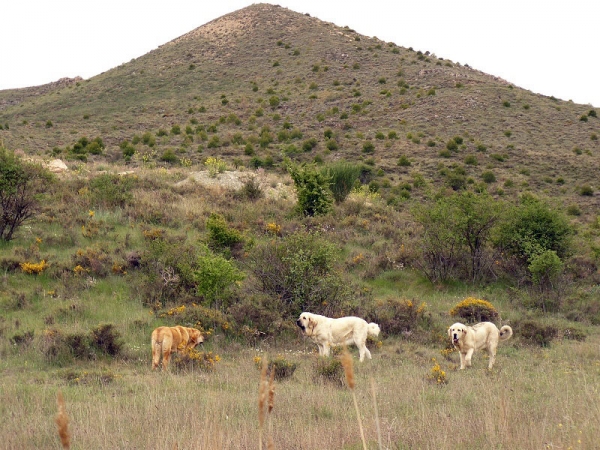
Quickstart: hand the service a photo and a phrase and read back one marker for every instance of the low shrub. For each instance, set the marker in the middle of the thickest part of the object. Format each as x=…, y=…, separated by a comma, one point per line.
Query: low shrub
x=398, y=317
x=329, y=370
x=475, y=310
x=282, y=368
x=535, y=333
x=191, y=359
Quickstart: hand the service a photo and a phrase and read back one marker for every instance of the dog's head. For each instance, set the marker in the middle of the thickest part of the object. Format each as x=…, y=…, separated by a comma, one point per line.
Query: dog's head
x=195, y=337
x=306, y=322
x=456, y=332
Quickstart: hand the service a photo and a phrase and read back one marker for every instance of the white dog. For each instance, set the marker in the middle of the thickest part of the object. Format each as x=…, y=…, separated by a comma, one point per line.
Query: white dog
x=327, y=332
x=481, y=336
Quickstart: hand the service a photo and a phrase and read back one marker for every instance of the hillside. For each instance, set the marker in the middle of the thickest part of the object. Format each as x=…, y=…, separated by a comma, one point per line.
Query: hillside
x=268, y=68
x=143, y=230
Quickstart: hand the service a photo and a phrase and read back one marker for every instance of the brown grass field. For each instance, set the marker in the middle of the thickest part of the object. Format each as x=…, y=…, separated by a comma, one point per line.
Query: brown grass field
x=534, y=398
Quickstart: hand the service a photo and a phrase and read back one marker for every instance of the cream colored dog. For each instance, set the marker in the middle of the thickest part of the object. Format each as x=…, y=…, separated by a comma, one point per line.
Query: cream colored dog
x=167, y=340
x=327, y=332
x=481, y=336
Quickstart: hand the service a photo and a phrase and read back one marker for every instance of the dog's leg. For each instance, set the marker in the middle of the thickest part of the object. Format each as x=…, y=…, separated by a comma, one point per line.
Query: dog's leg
x=166, y=358
x=492, y=353
x=326, y=349
x=462, y=360
x=156, y=351
x=468, y=357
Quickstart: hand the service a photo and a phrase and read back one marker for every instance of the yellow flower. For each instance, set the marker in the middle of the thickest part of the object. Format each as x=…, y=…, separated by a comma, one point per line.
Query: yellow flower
x=91, y=213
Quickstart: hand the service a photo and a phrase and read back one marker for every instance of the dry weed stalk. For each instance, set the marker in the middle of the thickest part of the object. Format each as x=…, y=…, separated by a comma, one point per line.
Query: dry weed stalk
x=376, y=414
x=349, y=371
x=266, y=402
x=62, y=420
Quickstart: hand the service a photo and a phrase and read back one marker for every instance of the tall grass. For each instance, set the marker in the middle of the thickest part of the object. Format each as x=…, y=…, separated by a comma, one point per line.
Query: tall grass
x=533, y=398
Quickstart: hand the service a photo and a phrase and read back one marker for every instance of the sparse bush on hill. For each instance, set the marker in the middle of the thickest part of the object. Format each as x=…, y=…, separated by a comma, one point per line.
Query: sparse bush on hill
x=21, y=185
x=111, y=191
x=301, y=270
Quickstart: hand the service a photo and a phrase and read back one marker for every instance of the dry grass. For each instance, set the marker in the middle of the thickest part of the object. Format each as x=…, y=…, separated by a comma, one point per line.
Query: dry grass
x=534, y=398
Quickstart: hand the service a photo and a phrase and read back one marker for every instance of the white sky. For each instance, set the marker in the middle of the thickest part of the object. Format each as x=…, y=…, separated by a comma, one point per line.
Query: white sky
x=547, y=46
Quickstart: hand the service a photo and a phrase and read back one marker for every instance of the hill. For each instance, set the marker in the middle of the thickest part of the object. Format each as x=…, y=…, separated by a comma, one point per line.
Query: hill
x=474, y=200
x=266, y=71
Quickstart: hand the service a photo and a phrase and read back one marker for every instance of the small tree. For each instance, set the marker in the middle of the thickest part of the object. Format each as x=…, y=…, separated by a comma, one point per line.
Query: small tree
x=21, y=184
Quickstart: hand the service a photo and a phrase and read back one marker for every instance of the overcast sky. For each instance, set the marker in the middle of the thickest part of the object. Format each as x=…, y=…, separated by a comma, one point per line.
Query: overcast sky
x=547, y=46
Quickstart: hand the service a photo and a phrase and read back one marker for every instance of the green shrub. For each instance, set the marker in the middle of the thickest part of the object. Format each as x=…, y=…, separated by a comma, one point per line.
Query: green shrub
x=112, y=190
x=312, y=189
x=534, y=333
x=329, y=370
x=368, y=147
x=343, y=177
x=169, y=156
x=215, y=279
x=586, y=190
x=488, y=176
x=282, y=368
x=403, y=161
x=533, y=227
x=22, y=186
x=220, y=235
x=301, y=270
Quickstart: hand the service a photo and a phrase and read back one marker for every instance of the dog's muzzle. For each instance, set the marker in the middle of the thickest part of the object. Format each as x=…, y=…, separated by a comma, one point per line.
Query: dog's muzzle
x=455, y=338
x=300, y=324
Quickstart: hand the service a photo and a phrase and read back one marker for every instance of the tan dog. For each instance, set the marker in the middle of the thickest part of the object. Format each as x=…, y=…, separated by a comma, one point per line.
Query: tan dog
x=167, y=340
x=327, y=332
x=481, y=336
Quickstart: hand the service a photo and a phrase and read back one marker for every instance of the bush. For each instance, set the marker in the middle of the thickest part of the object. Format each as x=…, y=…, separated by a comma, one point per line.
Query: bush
x=191, y=359
x=106, y=339
x=535, y=333
x=112, y=190
x=329, y=370
x=282, y=367
x=21, y=187
x=488, y=176
x=343, y=176
x=215, y=278
x=398, y=317
x=169, y=156
x=475, y=310
x=312, y=189
x=368, y=147
x=220, y=234
x=533, y=227
x=301, y=271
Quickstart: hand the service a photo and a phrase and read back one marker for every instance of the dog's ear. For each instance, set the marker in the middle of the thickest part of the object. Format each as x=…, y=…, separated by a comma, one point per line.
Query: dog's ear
x=450, y=331
x=311, y=324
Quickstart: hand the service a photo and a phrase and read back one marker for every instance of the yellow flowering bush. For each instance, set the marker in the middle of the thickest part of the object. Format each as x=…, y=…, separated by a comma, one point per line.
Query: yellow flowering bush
x=475, y=310
x=274, y=228
x=34, y=268
x=215, y=166
x=190, y=359
x=437, y=375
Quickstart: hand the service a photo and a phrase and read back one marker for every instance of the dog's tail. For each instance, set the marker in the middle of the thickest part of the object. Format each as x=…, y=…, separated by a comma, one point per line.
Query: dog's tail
x=506, y=333
x=373, y=329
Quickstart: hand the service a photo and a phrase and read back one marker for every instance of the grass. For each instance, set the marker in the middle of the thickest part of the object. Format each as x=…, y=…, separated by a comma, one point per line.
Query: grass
x=528, y=401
